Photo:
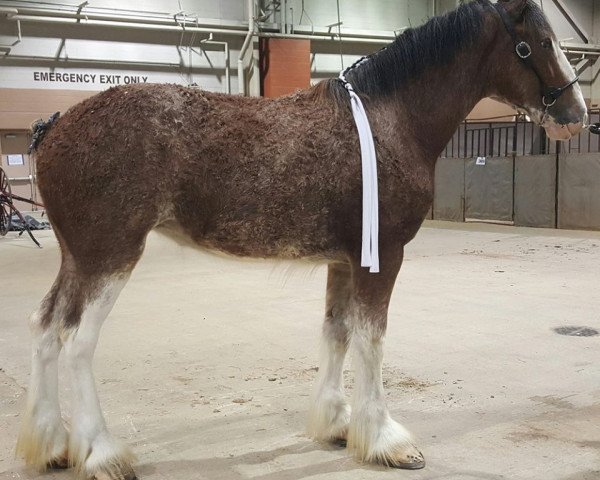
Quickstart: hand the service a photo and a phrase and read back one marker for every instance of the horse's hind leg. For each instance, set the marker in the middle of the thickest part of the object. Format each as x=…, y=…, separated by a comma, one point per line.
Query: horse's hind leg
x=373, y=434
x=43, y=438
x=330, y=414
x=71, y=315
x=92, y=450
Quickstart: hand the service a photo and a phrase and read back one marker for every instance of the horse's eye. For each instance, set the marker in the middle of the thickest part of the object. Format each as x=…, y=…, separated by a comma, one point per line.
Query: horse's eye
x=547, y=43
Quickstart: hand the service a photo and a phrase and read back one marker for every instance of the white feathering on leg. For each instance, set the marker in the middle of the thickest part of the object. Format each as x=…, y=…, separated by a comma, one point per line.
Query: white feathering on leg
x=92, y=450
x=330, y=413
x=373, y=435
x=42, y=437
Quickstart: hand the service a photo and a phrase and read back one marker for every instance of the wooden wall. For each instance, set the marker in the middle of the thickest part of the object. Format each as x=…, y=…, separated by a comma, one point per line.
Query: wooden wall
x=285, y=66
x=19, y=108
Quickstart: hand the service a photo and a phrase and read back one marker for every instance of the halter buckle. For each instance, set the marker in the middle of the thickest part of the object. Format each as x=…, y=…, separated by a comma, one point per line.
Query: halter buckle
x=549, y=104
x=523, y=50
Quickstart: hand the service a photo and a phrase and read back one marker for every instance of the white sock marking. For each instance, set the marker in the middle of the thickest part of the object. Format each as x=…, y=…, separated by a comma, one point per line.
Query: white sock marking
x=373, y=435
x=330, y=414
x=43, y=437
x=91, y=448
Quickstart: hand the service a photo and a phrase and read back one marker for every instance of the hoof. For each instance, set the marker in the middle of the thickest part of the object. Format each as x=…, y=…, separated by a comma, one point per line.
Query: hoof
x=339, y=442
x=102, y=459
x=412, y=461
x=116, y=473
x=58, y=463
x=416, y=465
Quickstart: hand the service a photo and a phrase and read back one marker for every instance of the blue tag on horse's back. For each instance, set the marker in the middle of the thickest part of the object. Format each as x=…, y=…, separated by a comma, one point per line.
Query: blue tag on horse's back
x=39, y=129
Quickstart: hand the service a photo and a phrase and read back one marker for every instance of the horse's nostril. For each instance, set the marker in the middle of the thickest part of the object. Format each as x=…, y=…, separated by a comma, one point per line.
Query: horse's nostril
x=571, y=117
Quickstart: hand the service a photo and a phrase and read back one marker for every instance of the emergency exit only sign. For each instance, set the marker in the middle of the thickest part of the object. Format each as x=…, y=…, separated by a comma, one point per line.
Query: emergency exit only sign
x=88, y=78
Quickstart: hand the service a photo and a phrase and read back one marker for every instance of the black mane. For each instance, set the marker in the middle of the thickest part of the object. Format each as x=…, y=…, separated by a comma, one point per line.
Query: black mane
x=435, y=43
x=535, y=19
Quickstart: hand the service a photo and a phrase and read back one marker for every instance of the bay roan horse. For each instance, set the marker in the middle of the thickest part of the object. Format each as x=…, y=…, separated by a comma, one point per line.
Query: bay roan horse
x=272, y=178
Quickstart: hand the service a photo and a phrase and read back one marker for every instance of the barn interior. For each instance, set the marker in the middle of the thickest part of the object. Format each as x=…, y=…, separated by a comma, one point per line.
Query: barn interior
x=206, y=364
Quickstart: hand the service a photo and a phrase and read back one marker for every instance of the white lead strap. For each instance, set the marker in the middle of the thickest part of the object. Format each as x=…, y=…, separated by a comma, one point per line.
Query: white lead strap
x=370, y=213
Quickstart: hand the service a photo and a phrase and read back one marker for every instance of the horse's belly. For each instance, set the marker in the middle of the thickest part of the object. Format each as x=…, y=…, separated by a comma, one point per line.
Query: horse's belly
x=248, y=239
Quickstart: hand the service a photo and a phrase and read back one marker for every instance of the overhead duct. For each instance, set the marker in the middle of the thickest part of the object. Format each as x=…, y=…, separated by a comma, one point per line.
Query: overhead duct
x=244, y=49
x=10, y=13
x=175, y=23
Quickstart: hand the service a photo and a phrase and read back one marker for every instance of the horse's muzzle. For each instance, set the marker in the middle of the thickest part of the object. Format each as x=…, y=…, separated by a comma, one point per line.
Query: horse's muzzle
x=556, y=131
x=565, y=128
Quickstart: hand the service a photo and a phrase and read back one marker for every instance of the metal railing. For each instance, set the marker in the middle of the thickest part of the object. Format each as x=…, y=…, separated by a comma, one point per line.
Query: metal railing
x=520, y=137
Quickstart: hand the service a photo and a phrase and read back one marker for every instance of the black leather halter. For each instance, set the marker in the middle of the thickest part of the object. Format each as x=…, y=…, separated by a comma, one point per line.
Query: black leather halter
x=523, y=49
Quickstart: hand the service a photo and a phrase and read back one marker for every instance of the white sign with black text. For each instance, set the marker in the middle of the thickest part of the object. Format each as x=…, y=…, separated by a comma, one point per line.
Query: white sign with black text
x=15, y=160
x=82, y=79
x=88, y=78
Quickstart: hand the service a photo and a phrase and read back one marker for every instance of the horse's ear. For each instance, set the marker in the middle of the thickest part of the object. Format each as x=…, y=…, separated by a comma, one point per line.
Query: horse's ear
x=515, y=8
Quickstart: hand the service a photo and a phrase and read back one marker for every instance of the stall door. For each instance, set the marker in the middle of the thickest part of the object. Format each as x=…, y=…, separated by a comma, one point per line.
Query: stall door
x=489, y=189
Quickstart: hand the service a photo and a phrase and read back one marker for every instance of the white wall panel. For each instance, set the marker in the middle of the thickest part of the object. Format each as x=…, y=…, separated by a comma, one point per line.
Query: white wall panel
x=88, y=42
x=371, y=15
x=225, y=9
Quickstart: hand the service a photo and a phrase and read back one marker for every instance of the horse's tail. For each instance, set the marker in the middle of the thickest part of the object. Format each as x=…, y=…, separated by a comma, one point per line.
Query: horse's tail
x=39, y=128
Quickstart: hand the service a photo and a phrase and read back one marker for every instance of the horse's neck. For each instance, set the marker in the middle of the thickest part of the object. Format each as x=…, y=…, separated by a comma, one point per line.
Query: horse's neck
x=430, y=106
x=436, y=103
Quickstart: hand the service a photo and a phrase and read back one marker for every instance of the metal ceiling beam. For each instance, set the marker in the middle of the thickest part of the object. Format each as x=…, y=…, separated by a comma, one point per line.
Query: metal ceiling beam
x=560, y=4
x=178, y=20
x=584, y=65
x=580, y=48
x=380, y=39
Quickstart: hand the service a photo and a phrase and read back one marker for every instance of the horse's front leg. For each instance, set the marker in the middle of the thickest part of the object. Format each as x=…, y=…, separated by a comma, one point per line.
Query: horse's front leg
x=330, y=413
x=373, y=435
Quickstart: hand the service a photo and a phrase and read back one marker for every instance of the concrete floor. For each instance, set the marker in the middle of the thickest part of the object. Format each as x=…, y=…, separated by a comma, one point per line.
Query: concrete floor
x=205, y=365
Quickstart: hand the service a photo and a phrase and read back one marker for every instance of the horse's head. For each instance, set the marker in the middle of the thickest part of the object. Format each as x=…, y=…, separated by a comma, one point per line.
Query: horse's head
x=532, y=72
